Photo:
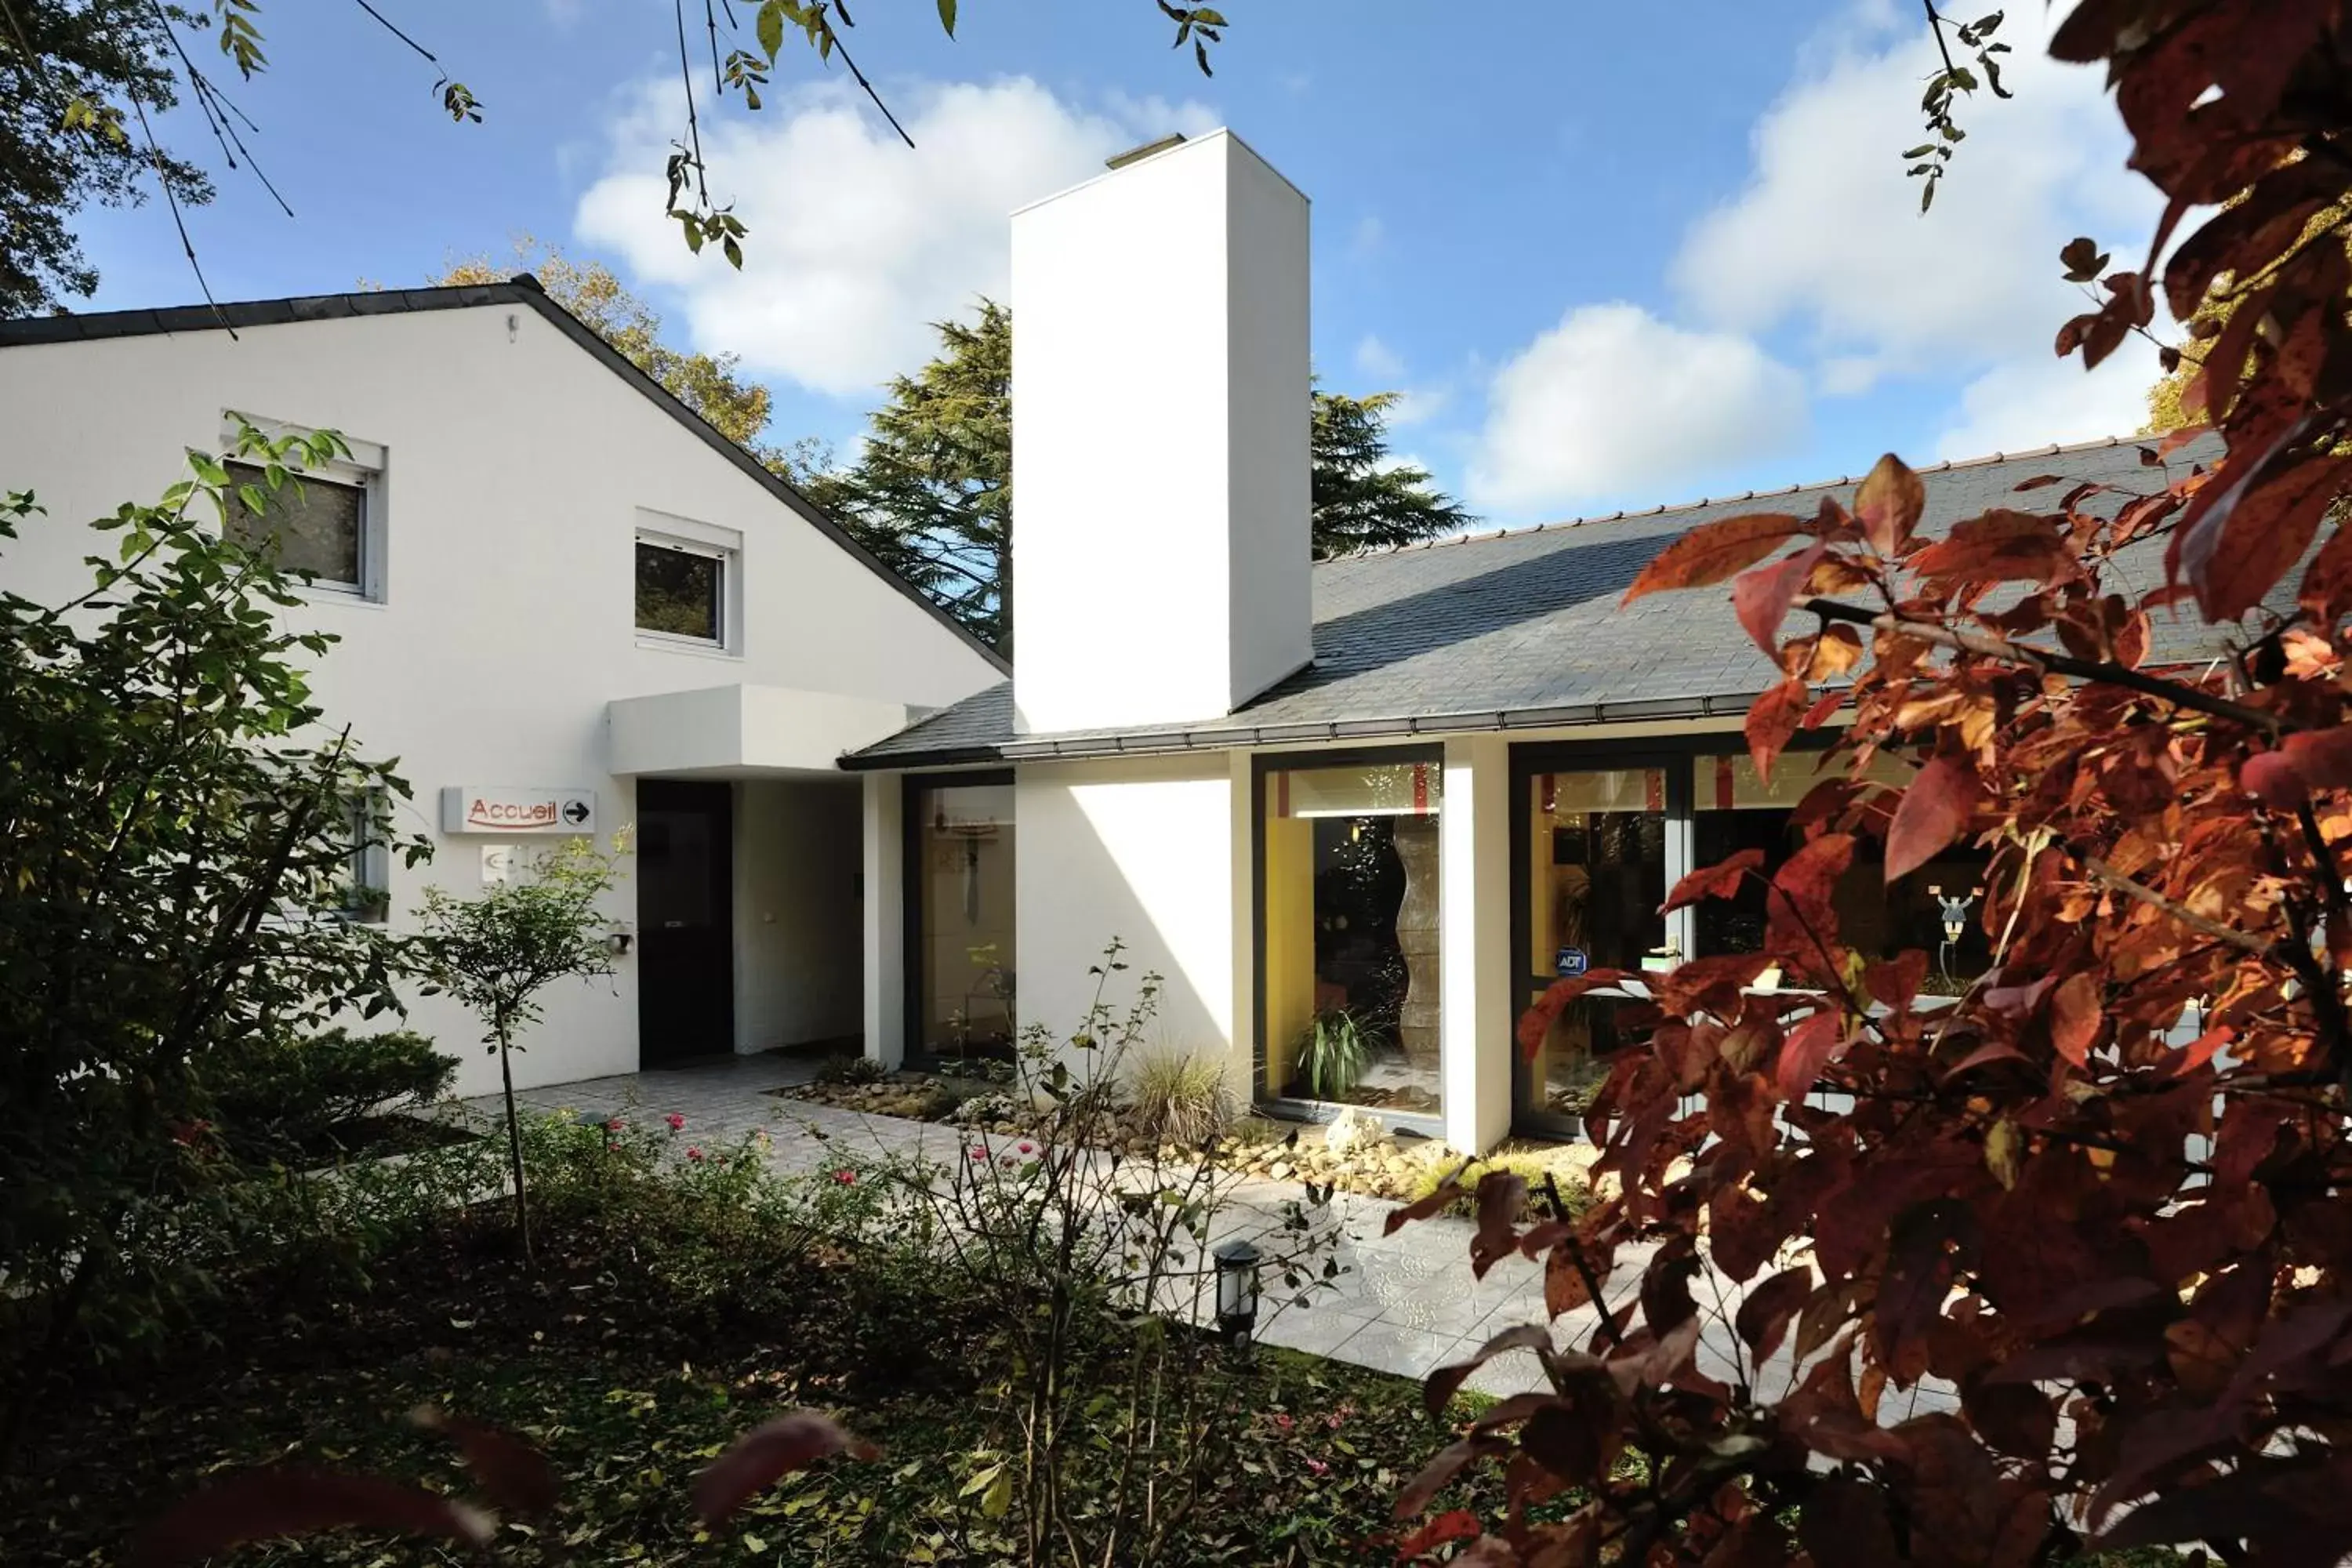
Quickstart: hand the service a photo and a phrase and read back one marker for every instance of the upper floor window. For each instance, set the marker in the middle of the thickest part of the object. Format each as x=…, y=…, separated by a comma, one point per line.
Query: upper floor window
x=689, y=584
x=319, y=527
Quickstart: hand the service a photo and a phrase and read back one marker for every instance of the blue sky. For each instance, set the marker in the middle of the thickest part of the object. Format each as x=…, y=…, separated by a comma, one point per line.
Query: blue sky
x=1613, y=255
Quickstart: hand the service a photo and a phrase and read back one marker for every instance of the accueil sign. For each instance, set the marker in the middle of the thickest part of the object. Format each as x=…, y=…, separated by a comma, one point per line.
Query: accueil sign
x=490, y=808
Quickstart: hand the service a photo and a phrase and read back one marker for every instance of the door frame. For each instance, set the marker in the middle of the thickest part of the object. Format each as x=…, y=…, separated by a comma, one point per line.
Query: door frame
x=912, y=945
x=724, y=905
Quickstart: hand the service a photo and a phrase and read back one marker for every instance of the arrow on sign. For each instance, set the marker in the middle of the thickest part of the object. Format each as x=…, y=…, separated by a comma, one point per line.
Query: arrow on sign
x=575, y=811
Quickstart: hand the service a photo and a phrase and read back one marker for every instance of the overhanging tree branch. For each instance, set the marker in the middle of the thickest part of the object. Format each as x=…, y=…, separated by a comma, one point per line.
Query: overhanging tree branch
x=2105, y=673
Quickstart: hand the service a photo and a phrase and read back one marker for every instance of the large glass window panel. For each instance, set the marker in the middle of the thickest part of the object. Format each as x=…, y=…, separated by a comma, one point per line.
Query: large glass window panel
x=316, y=525
x=1936, y=908
x=679, y=592
x=964, y=837
x=1596, y=877
x=1351, y=935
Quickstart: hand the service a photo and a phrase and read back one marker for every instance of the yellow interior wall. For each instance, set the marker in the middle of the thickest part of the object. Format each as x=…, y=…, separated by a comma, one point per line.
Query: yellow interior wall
x=1290, y=999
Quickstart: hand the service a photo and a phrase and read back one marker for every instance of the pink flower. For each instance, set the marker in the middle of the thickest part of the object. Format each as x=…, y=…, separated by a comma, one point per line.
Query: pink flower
x=1318, y=1466
x=675, y=1121
x=695, y=1155
x=616, y=1125
x=847, y=1178
x=1282, y=1423
x=1028, y=1148
x=979, y=1152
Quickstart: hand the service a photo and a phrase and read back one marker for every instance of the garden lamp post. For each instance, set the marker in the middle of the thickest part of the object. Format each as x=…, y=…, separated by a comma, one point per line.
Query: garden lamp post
x=1237, y=1292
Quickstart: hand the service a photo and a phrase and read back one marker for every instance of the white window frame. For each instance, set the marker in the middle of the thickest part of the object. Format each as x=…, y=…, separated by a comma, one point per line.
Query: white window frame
x=371, y=863
x=720, y=544
x=363, y=471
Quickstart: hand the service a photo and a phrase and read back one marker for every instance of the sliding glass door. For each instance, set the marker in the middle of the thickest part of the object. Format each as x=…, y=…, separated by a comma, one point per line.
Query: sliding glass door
x=1600, y=847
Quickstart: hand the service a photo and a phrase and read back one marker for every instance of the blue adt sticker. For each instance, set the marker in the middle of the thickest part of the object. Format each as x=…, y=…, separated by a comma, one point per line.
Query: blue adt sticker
x=1570, y=962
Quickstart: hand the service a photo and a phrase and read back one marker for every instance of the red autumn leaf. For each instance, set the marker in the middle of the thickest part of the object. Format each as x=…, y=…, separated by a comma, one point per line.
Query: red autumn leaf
x=2322, y=758
x=1772, y=722
x=1800, y=919
x=1845, y=1524
x=1889, y=504
x=1460, y=1524
x=1714, y=551
x=1761, y=598
x=514, y=1474
x=2238, y=549
x=1816, y=1039
x=272, y=1504
x=1565, y=1287
x=1929, y=1244
x=765, y=1455
x=1443, y=1384
x=1502, y=1199
x=1537, y=1021
x=2272, y=778
x=2074, y=1016
x=1721, y=880
x=1935, y=810
x=1450, y=1462
x=1999, y=546
x=1763, y=1318
x=1820, y=712
x=1429, y=1203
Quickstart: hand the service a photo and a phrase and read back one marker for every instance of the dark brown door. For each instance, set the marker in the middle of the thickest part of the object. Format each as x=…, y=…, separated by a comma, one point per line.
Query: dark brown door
x=686, y=928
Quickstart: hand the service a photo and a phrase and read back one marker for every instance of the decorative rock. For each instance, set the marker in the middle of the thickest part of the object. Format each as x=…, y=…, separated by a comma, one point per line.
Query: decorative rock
x=1352, y=1132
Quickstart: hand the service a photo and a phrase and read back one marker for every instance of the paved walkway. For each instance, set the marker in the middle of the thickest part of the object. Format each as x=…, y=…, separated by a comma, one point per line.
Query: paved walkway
x=1402, y=1304
x=1405, y=1304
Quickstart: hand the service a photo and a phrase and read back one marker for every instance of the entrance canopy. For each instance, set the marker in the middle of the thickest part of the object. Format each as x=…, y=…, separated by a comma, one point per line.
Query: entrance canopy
x=745, y=730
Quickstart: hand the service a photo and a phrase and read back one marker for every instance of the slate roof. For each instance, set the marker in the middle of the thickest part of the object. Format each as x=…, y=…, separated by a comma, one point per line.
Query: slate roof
x=521, y=289
x=1522, y=629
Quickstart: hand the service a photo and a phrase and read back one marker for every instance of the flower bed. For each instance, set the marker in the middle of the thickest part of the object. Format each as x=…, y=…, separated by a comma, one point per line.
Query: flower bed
x=1354, y=1155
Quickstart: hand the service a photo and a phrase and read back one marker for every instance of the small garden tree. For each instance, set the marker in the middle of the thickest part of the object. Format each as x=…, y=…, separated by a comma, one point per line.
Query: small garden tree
x=177, y=829
x=498, y=952
x=2122, y=1254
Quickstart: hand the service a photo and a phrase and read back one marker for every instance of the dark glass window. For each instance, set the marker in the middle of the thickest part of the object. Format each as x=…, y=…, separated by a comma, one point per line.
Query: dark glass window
x=679, y=592
x=315, y=525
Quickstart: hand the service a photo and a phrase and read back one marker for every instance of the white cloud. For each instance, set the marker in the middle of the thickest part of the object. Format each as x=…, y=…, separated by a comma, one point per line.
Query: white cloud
x=856, y=243
x=2030, y=402
x=1826, y=238
x=1613, y=401
x=1377, y=360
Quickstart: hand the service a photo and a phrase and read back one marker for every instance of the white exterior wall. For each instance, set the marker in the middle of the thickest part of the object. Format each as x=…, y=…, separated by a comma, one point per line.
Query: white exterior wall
x=1161, y=452
x=1142, y=851
x=1475, y=1010
x=797, y=941
x=515, y=471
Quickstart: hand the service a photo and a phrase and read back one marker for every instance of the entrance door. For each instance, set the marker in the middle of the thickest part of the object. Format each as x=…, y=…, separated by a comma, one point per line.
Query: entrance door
x=686, y=929
x=1597, y=858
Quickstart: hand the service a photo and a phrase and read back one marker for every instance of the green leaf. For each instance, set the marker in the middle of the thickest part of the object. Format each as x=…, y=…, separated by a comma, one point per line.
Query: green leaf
x=772, y=28
x=948, y=15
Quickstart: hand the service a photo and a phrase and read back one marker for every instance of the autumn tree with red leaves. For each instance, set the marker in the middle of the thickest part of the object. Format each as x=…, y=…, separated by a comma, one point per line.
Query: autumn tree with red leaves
x=2098, y=1204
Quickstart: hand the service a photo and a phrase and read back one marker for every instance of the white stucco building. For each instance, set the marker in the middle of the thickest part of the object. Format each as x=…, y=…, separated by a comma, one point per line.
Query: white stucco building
x=514, y=485
x=1400, y=790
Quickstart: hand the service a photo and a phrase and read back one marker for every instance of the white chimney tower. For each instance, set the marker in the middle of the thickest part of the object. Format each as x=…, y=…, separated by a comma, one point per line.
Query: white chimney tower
x=1161, y=457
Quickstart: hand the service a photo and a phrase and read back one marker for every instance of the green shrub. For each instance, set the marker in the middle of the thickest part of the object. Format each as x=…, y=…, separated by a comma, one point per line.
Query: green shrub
x=283, y=1099
x=1180, y=1096
x=1533, y=1163
x=847, y=1070
x=1333, y=1053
